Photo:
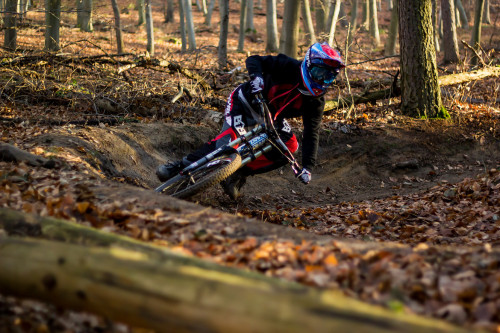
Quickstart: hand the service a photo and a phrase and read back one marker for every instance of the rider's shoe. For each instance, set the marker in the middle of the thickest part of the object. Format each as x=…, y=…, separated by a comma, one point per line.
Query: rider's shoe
x=166, y=171
x=233, y=184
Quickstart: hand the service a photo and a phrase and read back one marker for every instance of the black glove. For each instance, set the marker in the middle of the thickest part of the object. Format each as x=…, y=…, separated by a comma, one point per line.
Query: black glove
x=304, y=176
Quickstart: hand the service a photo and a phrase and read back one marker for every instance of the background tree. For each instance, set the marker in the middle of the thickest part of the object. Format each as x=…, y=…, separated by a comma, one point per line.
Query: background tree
x=149, y=28
x=210, y=10
x=354, y=19
x=436, y=25
x=84, y=15
x=243, y=19
x=321, y=15
x=52, y=24
x=141, y=11
x=224, y=29
x=290, y=29
x=486, y=14
x=333, y=16
x=169, y=11
x=450, y=42
x=188, y=13
x=462, y=13
x=420, y=93
x=118, y=27
x=182, y=24
x=272, y=40
x=249, y=21
x=390, y=43
x=476, y=32
x=366, y=15
x=10, y=39
x=308, y=22
x=374, y=32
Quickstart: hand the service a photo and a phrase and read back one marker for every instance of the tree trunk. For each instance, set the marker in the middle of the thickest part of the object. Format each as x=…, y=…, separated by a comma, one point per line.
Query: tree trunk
x=52, y=24
x=308, y=23
x=390, y=43
x=182, y=23
x=354, y=19
x=271, y=27
x=249, y=24
x=332, y=20
x=290, y=30
x=344, y=23
x=10, y=39
x=210, y=10
x=366, y=15
x=141, y=11
x=149, y=28
x=374, y=33
x=486, y=14
x=435, y=25
x=169, y=13
x=390, y=4
x=118, y=27
x=476, y=32
x=151, y=287
x=190, y=25
x=243, y=19
x=321, y=14
x=420, y=93
x=84, y=15
x=463, y=13
x=224, y=29
x=450, y=42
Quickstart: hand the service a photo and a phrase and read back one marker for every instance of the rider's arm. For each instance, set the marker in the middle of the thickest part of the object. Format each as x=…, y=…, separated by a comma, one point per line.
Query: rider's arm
x=258, y=65
x=312, y=122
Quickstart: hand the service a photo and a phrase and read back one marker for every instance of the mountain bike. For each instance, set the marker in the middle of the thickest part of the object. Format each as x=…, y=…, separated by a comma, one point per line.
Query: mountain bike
x=224, y=161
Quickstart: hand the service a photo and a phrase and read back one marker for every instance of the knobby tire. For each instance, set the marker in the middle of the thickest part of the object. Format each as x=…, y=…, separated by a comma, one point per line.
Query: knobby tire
x=205, y=176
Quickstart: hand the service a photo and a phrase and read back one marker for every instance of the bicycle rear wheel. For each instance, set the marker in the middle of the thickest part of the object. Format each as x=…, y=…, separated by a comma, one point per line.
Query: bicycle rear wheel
x=210, y=174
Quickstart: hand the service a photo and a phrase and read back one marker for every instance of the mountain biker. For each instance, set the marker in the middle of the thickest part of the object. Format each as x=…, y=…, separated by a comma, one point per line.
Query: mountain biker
x=292, y=88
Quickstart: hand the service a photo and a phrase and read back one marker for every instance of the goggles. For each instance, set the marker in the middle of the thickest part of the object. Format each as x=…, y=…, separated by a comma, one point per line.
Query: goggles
x=323, y=74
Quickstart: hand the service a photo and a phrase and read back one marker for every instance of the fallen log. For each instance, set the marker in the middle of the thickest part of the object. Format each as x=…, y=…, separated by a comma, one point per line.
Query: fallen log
x=394, y=91
x=179, y=294
x=10, y=153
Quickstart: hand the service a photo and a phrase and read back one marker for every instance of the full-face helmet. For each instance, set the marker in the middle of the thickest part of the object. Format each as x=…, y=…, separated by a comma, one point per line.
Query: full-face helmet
x=320, y=67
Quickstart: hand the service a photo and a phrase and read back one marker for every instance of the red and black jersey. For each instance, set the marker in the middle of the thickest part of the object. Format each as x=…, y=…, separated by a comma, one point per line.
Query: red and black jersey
x=282, y=81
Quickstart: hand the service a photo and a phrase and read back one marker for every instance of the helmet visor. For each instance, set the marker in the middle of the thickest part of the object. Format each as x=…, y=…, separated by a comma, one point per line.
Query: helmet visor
x=323, y=75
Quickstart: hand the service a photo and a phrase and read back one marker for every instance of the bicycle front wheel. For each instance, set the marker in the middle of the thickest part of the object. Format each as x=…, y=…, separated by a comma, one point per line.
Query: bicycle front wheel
x=210, y=174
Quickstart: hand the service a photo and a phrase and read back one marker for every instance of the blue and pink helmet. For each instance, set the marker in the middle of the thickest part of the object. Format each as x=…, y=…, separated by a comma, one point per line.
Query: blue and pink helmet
x=320, y=67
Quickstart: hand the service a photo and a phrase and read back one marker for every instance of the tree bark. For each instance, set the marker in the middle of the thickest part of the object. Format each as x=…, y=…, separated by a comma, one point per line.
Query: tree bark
x=308, y=23
x=320, y=15
x=52, y=24
x=354, y=20
x=249, y=24
x=332, y=20
x=476, y=32
x=272, y=42
x=366, y=15
x=84, y=15
x=141, y=12
x=224, y=29
x=243, y=19
x=463, y=13
x=420, y=93
x=435, y=25
x=169, y=13
x=290, y=30
x=486, y=14
x=182, y=23
x=190, y=25
x=150, y=47
x=10, y=39
x=151, y=287
x=210, y=10
x=118, y=27
x=450, y=42
x=390, y=43
x=374, y=32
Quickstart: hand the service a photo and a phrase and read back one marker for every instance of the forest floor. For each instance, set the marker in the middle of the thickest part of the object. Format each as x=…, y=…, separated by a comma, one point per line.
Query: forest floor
x=402, y=213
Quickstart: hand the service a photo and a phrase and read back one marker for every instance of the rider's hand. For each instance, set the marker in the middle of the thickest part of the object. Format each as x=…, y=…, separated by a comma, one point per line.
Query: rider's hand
x=257, y=84
x=304, y=176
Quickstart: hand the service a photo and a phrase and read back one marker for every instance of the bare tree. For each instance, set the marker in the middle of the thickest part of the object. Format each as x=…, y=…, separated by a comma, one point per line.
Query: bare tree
x=243, y=19
x=10, y=40
x=84, y=15
x=374, y=32
x=149, y=28
x=290, y=29
x=333, y=16
x=250, y=25
x=420, y=93
x=390, y=43
x=52, y=24
x=224, y=28
x=476, y=32
x=435, y=25
x=366, y=15
x=210, y=10
x=486, y=14
x=118, y=27
x=308, y=23
x=189, y=24
x=271, y=26
x=169, y=11
x=141, y=11
x=463, y=13
x=321, y=15
x=450, y=42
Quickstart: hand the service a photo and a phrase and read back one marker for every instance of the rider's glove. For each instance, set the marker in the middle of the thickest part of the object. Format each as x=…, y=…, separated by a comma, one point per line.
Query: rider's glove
x=304, y=176
x=257, y=84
